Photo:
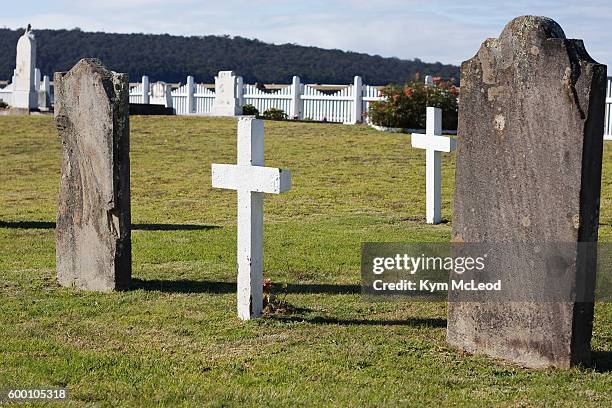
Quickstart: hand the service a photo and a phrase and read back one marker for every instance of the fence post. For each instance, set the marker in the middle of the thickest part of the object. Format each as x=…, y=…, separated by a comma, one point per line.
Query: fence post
x=296, y=99
x=168, y=95
x=357, y=100
x=190, y=95
x=46, y=88
x=46, y=84
x=145, y=89
x=240, y=92
x=37, y=79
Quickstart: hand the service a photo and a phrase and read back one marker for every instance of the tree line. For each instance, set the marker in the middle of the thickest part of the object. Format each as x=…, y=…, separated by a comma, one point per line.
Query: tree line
x=171, y=58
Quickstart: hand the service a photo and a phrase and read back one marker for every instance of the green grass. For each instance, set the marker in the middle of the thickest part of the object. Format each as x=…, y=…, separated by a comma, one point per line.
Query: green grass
x=176, y=339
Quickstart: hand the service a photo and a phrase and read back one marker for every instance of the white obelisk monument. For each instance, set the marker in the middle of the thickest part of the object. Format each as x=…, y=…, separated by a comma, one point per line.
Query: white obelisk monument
x=24, y=88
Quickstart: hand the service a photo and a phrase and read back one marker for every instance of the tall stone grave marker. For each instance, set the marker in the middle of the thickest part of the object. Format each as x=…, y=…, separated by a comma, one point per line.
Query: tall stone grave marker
x=25, y=95
x=528, y=172
x=93, y=236
x=226, y=94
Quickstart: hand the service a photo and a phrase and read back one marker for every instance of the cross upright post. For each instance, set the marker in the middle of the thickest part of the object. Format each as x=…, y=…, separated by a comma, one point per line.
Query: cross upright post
x=251, y=179
x=433, y=142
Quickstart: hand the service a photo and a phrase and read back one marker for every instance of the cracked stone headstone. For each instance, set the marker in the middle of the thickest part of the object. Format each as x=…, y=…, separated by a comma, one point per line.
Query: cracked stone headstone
x=529, y=161
x=93, y=235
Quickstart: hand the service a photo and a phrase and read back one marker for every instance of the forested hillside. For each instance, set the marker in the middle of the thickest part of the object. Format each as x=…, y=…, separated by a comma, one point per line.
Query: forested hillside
x=171, y=58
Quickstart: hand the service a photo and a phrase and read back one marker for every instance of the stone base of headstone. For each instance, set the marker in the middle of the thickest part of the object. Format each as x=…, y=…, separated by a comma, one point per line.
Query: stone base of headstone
x=43, y=101
x=25, y=99
x=11, y=111
x=25, y=112
x=226, y=110
x=529, y=334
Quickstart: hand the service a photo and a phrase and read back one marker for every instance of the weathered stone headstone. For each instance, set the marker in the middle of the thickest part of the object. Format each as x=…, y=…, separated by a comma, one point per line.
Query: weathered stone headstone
x=25, y=95
x=529, y=171
x=226, y=94
x=93, y=236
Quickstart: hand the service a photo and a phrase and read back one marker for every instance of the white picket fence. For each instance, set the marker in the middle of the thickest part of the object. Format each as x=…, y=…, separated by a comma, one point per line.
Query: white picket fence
x=6, y=94
x=137, y=95
x=369, y=94
x=263, y=99
x=299, y=101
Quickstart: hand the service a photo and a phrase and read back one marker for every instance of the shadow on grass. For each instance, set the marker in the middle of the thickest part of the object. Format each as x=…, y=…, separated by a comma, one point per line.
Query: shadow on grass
x=422, y=220
x=191, y=286
x=173, y=227
x=27, y=224
x=413, y=321
x=136, y=227
x=601, y=361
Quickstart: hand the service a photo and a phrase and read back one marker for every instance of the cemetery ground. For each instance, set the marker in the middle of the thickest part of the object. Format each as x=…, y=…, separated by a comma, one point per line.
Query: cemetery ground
x=175, y=338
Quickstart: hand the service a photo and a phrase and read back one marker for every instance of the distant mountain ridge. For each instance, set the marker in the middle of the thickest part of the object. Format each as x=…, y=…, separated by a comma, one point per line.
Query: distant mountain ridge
x=171, y=58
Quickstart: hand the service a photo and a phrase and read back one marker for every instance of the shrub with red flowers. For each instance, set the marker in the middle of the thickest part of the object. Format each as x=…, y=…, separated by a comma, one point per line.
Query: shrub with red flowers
x=405, y=106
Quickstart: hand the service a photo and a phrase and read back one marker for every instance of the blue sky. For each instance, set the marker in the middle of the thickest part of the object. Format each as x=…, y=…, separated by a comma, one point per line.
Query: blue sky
x=445, y=31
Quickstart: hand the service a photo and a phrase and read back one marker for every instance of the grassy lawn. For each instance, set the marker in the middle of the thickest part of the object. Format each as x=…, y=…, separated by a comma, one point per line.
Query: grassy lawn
x=175, y=339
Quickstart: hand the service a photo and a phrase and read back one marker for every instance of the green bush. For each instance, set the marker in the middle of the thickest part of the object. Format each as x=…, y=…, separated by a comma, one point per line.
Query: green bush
x=249, y=109
x=274, y=114
x=3, y=105
x=405, y=106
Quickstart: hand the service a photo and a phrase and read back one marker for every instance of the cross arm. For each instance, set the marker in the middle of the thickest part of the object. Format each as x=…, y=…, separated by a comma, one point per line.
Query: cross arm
x=251, y=178
x=438, y=143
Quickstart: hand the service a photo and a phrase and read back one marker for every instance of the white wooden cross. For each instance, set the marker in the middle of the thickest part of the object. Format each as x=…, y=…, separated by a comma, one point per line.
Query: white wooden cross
x=251, y=180
x=433, y=142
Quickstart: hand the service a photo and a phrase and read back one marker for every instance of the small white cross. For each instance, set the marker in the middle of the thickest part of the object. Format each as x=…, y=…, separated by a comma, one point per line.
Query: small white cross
x=433, y=142
x=251, y=180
